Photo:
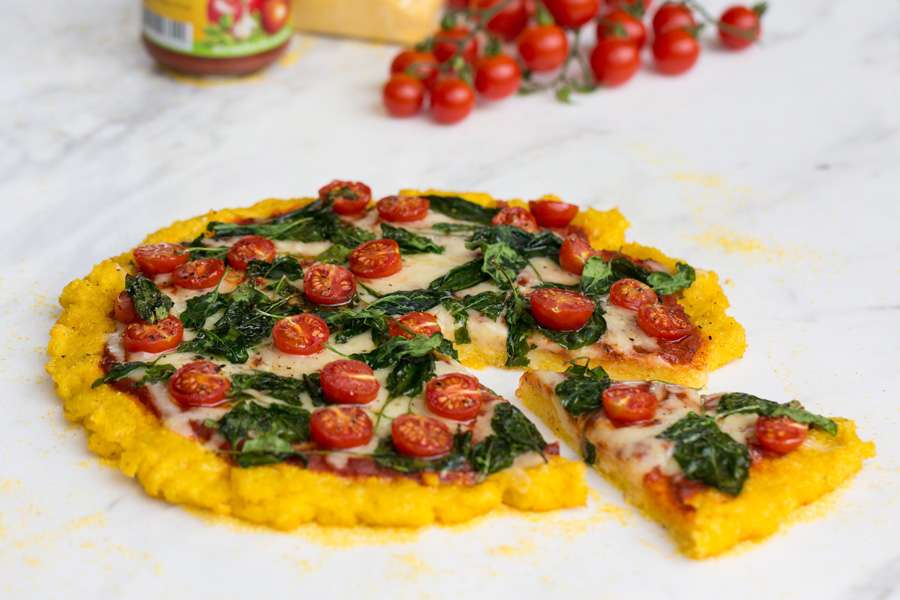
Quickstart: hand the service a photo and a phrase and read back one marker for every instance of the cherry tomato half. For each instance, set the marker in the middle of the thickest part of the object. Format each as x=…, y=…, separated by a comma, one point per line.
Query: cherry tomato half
x=422, y=437
x=375, y=259
x=622, y=25
x=508, y=22
x=574, y=252
x=543, y=47
x=552, y=213
x=672, y=15
x=123, y=309
x=349, y=382
x=780, y=434
x=454, y=396
x=328, y=285
x=675, y=52
x=413, y=324
x=561, y=310
x=274, y=15
x=664, y=322
x=516, y=216
x=614, y=61
x=199, y=274
x=626, y=404
x=631, y=294
x=348, y=197
x=403, y=95
x=497, y=77
x=421, y=65
x=451, y=100
x=572, y=14
x=339, y=427
x=198, y=383
x=739, y=27
x=153, y=337
x=447, y=41
x=403, y=209
x=154, y=259
x=301, y=334
x=252, y=247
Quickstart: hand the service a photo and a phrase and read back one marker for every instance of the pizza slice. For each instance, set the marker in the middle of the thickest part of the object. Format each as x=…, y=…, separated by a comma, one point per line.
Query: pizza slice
x=714, y=469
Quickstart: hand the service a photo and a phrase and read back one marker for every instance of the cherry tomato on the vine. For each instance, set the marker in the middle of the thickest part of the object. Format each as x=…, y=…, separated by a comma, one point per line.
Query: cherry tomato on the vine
x=623, y=25
x=451, y=100
x=508, y=22
x=642, y=5
x=614, y=61
x=572, y=14
x=543, y=47
x=675, y=51
x=739, y=26
x=497, y=77
x=403, y=95
x=780, y=434
x=421, y=65
x=447, y=41
x=673, y=15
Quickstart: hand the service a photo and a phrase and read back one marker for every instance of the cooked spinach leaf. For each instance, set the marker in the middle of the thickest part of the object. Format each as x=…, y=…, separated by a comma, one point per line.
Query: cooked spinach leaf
x=261, y=435
x=313, y=386
x=335, y=255
x=150, y=304
x=456, y=228
x=400, y=303
x=592, y=331
x=409, y=375
x=350, y=322
x=581, y=391
x=736, y=403
x=200, y=308
x=599, y=275
x=490, y=304
x=527, y=245
x=462, y=277
x=409, y=242
x=286, y=389
x=502, y=264
x=283, y=266
x=461, y=209
x=589, y=451
x=511, y=424
x=665, y=284
x=153, y=373
x=386, y=455
x=492, y=454
x=197, y=249
x=519, y=324
x=397, y=348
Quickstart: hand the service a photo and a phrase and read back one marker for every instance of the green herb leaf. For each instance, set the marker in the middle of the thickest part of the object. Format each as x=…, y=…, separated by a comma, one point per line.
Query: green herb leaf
x=335, y=255
x=492, y=454
x=527, y=245
x=490, y=304
x=581, y=392
x=502, y=264
x=397, y=348
x=737, y=403
x=409, y=375
x=263, y=434
x=286, y=389
x=386, y=455
x=153, y=373
x=461, y=209
x=197, y=249
x=456, y=228
x=665, y=284
x=283, y=266
x=460, y=278
x=400, y=303
x=510, y=423
x=350, y=322
x=409, y=242
x=589, y=334
x=150, y=304
x=200, y=308
x=519, y=324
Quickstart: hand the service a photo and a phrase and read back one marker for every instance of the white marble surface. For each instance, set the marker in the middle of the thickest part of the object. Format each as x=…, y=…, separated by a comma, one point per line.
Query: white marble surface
x=791, y=148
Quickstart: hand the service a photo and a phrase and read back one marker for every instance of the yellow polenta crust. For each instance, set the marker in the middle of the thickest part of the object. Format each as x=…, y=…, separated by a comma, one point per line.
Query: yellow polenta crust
x=715, y=521
x=182, y=471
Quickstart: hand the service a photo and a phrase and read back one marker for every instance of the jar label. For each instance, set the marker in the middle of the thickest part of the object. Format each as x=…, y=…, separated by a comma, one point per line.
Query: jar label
x=217, y=28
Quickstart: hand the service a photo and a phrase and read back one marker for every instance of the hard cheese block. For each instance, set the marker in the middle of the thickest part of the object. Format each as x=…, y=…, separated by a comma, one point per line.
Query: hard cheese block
x=403, y=21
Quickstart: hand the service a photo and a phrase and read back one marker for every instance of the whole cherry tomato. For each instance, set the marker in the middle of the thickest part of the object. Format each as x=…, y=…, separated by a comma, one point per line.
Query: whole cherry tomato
x=642, y=5
x=497, y=77
x=508, y=22
x=572, y=14
x=543, y=47
x=403, y=95
x=451, y=100
x=622, y=24
x=739, y=26
x=673, y=15
x=614, y=61
x=552, y=213
x=274, y=15
x=421, y=65
x=675, y=52
x=448, y=41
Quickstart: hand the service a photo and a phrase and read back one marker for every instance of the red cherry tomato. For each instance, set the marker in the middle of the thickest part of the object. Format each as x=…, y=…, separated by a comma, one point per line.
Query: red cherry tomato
x=421, y=65
x=574, y=252
x=447, y=41
x=375, y=259
x=274, y=15
x=618, y=22
x=301, y=334
x=644, y=5
x=543, y=47
x=403, y=209
x=199, y=274
x=497, y=77
x=780, y=435
x=626, y=404
x=664, y=322
x=422, y=437
x=516, y=216
x=572, y=14
x=672, y=15
x=552, y=213
x=123, y=309
x=739, y=27
x=675, y=52
x=328, y=285
x=349, y=382
x=508, y=22
x=403, y=95
x=252, y=247
x=198, y=384
x=413, y=324
x=451, y=100
x=614, y=61
x=216, y=9
x=631, y=294
x=454, y=396
x=153, y=337
x=349, y=197
x=154, y=259
x=340, y=427
x=561, y=310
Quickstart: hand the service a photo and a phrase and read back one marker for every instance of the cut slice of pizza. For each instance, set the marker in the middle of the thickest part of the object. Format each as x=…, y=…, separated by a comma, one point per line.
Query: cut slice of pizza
x=715, y=470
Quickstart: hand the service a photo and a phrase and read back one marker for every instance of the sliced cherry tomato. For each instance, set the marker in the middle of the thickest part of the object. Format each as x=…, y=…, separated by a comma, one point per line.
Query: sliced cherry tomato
x=516, y=216
x=671, y=16
x=780, y=434
x=574, y=252
x=328, y=285
x=339, y=427
x=621, y=24
x=403, y=95
x=349, y=197
x=301, y=334
x=626, y=404
x=414, y=323
x=123, y=309
x=739, y=26
x=552, y=213
x=614, y=61
x=199, y=274
x=153, y=337
x=572, y=14
x=664, y=322
x=376, y=259
x=631, y=294
x=274, y=15
x=543, y=47
x=154, y=259
x=198, y=384
x=349, y=382
x=421, y=65
x=447, y=41
x=422, y=437
x=403, y=209
x=452, y=100
x=561, y=310
x=675, y=52
x=454, y=396
x=497, y=77
x=252, y=247
x=508, y=22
